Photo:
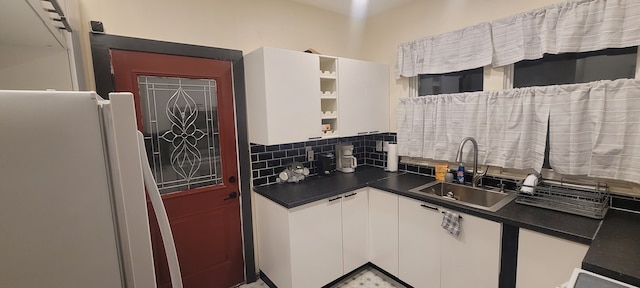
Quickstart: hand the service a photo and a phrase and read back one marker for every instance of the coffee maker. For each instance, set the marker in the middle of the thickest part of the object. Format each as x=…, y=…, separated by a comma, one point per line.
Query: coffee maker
x=326, y=164
x=345, y=161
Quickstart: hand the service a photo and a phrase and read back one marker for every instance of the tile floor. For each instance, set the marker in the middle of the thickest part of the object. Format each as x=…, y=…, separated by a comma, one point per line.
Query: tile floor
x=367, y=278
x=257, y=284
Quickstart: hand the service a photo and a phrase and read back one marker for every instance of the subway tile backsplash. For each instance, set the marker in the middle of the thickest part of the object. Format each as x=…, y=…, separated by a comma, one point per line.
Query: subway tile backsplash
x=268, y=161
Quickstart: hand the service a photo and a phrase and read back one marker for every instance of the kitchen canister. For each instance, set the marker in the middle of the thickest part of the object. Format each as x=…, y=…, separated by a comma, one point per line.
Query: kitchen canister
x=392, y=158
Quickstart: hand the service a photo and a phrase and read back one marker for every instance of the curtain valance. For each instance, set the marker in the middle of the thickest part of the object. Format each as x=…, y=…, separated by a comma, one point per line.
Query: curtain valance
x=462, y=49
x=575, y=26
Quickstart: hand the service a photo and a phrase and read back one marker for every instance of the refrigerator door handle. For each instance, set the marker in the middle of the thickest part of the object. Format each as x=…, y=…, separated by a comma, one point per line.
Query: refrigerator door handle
x=161, y=215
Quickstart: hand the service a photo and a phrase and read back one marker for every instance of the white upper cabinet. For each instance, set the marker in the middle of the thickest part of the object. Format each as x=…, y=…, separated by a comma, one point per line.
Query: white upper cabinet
x=377, y=97
x=294, y=96
x=364, y=97
x=283, y=90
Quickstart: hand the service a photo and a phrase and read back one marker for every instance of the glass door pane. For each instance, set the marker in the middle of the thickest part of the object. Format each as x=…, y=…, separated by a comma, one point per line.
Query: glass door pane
x=180, y=120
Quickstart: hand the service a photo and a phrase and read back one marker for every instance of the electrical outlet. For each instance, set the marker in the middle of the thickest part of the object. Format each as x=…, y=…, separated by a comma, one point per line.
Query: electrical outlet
x=379, y=146
x=385, y=146
x=309, y=155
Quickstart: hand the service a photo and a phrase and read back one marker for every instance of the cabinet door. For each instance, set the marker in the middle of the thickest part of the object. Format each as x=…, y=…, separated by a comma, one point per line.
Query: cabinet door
x=355, y=229
x=377, y=94
x=316, y=243
x=354, y=110
x=364, y=97
x=419, y=239
x=383, y=230
x=293, y=89
x=472, y=259
x=283, y=101
x=274, y=255
x=540, y=254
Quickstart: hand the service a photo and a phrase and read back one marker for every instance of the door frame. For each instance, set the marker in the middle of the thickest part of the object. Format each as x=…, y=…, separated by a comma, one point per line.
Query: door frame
x=101, y=44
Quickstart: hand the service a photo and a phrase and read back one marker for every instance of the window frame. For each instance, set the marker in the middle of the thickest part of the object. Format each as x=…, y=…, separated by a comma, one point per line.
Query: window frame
x=416, y=86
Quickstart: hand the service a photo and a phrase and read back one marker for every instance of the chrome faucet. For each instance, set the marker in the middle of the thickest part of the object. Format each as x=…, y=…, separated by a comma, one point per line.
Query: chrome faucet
x=476, y=176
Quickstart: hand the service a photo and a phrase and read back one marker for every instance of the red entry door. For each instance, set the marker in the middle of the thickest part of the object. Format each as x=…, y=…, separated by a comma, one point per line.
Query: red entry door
x=185, y=110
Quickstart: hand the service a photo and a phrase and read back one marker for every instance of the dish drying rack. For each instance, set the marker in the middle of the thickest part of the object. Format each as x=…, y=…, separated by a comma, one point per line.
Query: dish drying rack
x=590, y=200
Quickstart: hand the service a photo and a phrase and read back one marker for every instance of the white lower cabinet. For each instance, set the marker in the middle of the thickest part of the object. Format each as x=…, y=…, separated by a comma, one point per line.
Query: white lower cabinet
x=355, y=229
x=472, y=259
x=419, y=237
x=313, y=244
x=546, y=261
x=383, y=230
x=431, y=257
x=316, y=243
x=300, y=247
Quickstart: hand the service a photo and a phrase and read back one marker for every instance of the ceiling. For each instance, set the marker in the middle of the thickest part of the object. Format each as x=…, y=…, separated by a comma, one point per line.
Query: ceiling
x=361, y=8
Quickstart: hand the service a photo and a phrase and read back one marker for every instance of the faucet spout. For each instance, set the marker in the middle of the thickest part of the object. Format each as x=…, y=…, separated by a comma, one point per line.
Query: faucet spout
x=476, y=176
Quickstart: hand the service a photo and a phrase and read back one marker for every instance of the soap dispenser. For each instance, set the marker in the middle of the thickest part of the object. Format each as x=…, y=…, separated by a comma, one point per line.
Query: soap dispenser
x=460, y=174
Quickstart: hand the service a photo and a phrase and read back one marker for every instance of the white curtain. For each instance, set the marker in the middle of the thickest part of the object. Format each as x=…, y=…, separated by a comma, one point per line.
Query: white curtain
x=517, y=128
x=509, y=126
x=595, y=130
x=459, y=50
x=574, y=26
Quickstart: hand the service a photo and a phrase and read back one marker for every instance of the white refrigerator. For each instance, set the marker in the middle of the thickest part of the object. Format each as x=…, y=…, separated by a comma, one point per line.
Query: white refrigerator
x=73, y=210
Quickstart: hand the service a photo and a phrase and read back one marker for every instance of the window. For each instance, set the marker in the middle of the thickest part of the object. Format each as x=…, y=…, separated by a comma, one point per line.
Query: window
x=569, y=68
x=455, y=82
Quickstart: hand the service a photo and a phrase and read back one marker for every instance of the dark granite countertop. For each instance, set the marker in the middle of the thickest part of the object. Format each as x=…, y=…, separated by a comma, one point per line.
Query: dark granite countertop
x=563, y=225
x=316, y=188
x=615, y=251
x=290, y=195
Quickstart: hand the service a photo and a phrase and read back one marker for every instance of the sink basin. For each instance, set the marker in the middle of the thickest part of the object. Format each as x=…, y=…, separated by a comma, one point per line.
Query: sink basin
x=474, y=197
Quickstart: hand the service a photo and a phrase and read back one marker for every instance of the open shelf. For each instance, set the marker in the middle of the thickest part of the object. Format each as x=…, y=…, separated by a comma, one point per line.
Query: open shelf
x=328, y=65
x=329, y=96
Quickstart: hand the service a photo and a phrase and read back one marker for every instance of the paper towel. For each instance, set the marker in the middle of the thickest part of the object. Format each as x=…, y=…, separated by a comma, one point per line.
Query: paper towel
x=392, y=158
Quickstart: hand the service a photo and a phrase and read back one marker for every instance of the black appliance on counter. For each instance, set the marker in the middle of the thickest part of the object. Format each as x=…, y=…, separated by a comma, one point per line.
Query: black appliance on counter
x=326, y=164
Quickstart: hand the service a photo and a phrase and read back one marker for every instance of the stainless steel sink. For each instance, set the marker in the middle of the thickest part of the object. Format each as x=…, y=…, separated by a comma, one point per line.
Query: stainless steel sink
x=474, y=197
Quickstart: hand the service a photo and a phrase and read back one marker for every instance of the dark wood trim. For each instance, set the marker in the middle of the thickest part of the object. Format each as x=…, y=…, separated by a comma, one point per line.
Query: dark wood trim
x=101, y=44
x=509, y=258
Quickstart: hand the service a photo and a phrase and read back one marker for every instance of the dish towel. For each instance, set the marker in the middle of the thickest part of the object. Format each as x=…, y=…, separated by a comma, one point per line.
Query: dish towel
x=451, y=222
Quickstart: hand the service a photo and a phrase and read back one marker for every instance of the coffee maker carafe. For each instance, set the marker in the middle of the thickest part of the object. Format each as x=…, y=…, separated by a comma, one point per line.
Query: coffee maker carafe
x=345, y=162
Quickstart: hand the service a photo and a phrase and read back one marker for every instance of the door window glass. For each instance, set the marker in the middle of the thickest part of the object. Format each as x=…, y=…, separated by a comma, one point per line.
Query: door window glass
x=180, y=120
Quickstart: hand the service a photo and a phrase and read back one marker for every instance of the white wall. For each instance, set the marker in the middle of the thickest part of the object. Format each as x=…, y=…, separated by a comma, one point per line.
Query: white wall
x=239, y=24
x=419, y=19
x=34, y=68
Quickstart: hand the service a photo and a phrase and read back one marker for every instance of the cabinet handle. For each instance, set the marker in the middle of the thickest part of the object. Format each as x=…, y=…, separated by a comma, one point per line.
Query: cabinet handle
x=334, y=199
x=363, y=133
x=314, y=138
x=352, y=194
x=458, y=215
x=373, y=132
x=429, y=207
